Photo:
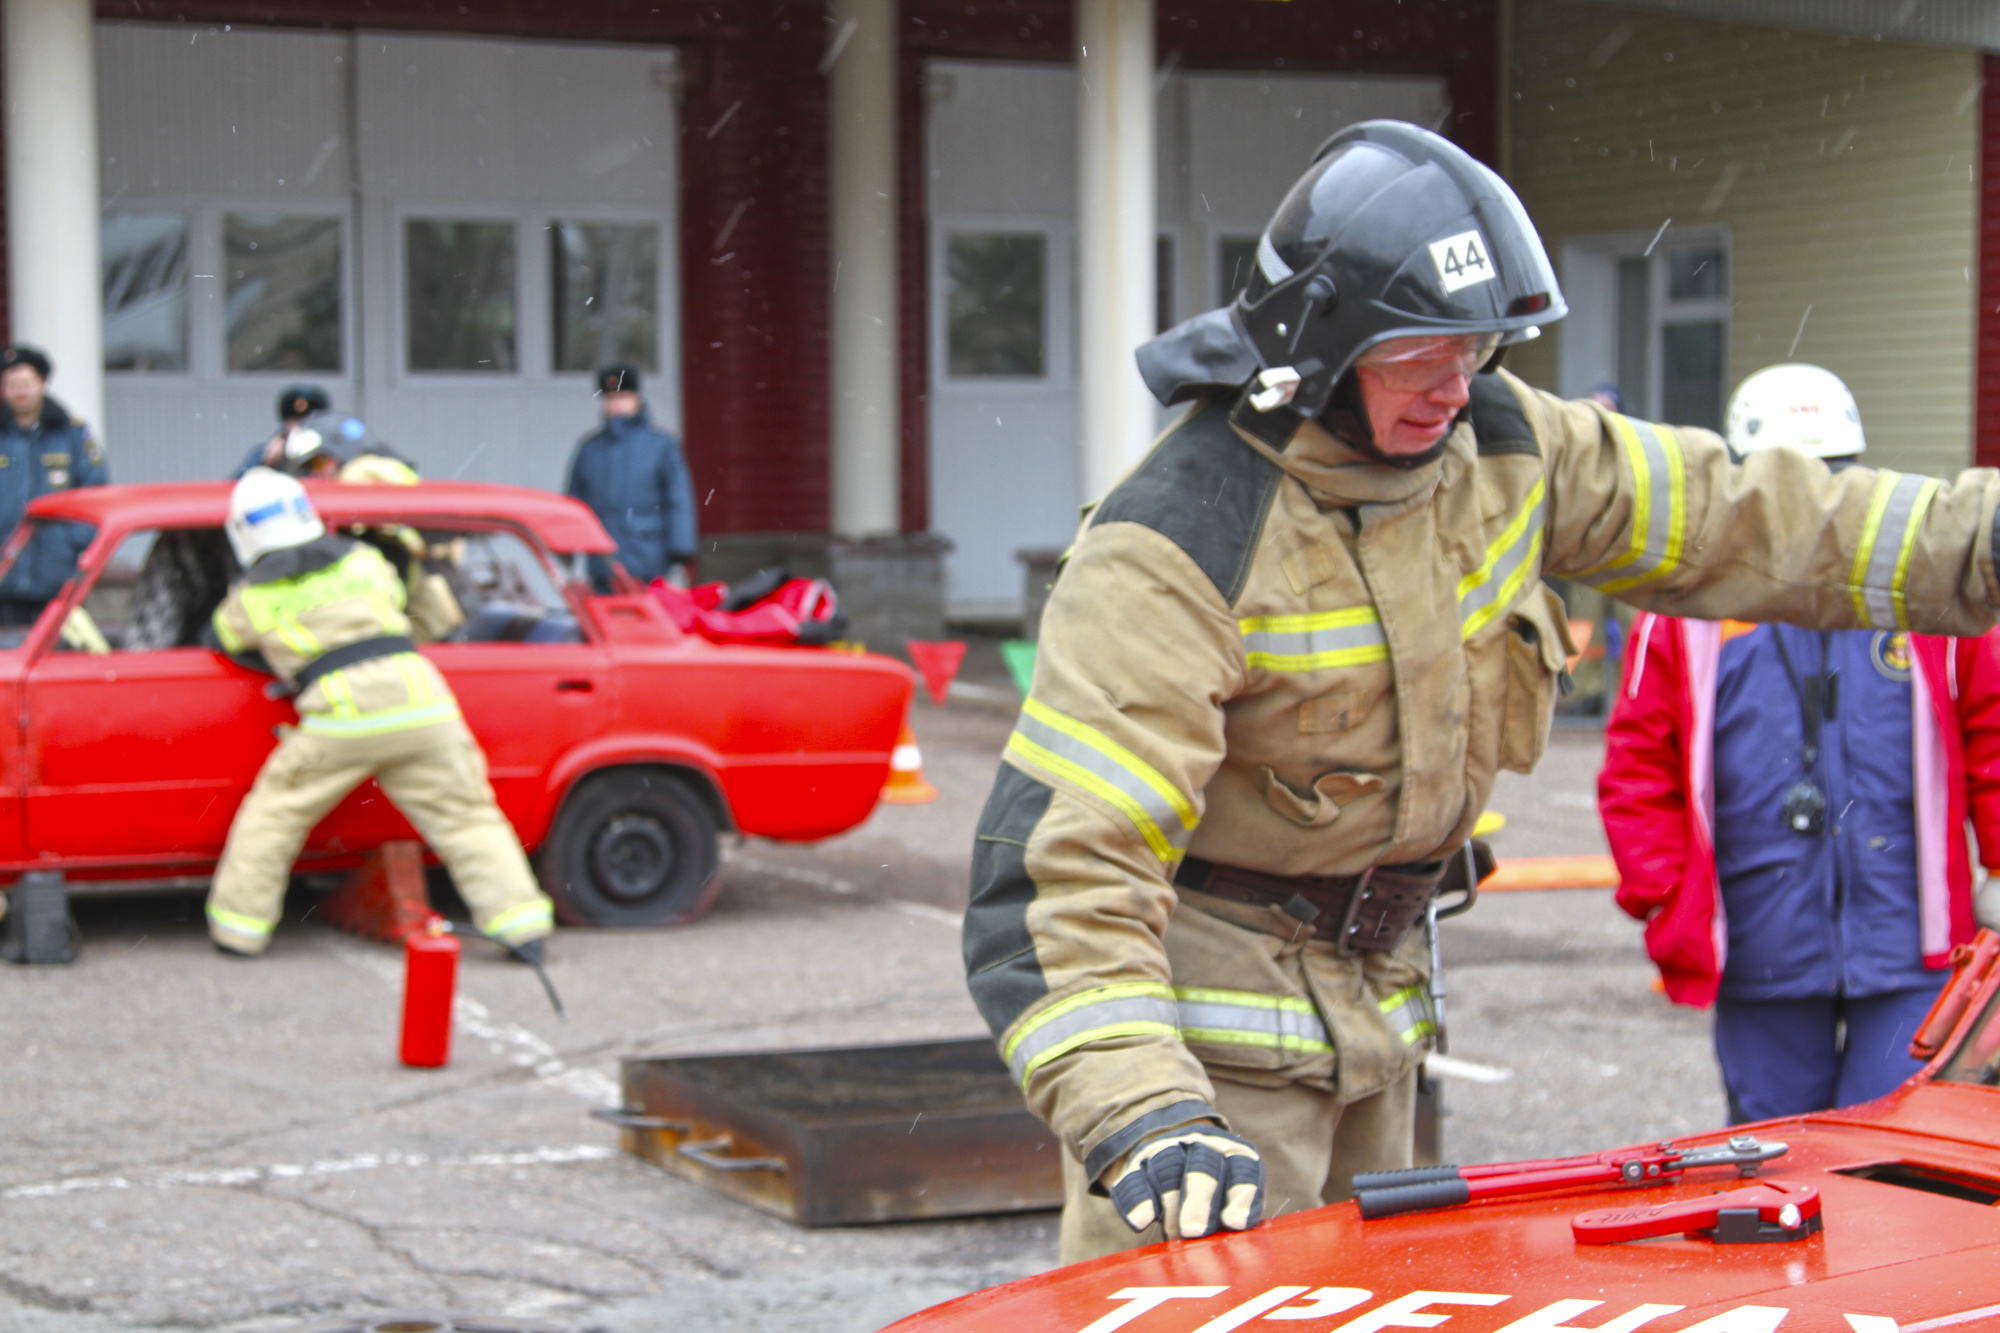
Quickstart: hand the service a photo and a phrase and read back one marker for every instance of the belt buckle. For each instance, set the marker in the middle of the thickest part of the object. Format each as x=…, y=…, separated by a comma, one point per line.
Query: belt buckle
x=1343, y=943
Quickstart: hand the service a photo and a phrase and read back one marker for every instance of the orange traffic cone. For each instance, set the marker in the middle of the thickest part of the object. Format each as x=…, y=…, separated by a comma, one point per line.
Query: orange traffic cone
x=906, y=784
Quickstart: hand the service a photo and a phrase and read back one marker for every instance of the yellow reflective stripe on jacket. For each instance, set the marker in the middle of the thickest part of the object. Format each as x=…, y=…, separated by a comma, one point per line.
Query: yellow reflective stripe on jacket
x=1316, y=641
x=1128, y=1009
x=521, y=921
x=1659, y=508
x=1250, y=1018
x=296, y=637
x=1104, y=768
x=1882, y=558
x=231, y=641
x=1510, y=561
x=379, y=721
x=360, y=575
x=1408, y=1012
x=239, y=923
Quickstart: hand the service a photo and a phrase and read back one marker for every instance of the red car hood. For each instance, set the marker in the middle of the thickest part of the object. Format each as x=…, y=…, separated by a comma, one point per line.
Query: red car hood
x=1889, y=1252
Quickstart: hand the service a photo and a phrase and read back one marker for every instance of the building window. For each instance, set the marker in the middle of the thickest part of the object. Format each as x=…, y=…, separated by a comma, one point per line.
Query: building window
x=460, y=294
x=1650, y=317
x=605, y=295
x=1235, y=264
x=283, y=293
x=145, y=258
x=1693, y=327
x=996, y=305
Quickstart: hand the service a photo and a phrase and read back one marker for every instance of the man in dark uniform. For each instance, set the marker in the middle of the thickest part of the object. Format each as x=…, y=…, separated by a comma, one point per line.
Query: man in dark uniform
x=632, y=475
x=295, y=404
x=41, y=450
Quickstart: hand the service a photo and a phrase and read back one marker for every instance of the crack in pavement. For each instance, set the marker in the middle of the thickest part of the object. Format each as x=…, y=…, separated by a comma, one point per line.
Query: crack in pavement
x=373, y=1232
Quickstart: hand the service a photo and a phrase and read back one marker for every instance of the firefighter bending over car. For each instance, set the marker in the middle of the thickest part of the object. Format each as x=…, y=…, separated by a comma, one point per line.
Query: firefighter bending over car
x=326, y=614
x=1289, y=654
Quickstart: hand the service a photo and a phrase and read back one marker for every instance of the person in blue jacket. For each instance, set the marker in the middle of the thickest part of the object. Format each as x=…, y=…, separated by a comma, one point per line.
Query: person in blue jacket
x=633, y=476
x=42, y=449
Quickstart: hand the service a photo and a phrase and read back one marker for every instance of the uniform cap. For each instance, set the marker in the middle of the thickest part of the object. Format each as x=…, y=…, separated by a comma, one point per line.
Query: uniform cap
x=1794, y=407
x=301, y=400
x=618, y=379
x=20, y=354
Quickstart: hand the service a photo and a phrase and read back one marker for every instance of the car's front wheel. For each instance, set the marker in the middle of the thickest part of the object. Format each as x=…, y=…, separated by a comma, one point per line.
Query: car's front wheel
x=631, y=847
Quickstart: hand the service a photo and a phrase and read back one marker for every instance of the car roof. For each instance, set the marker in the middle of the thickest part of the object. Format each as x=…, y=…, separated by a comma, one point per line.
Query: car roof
x=563, y=524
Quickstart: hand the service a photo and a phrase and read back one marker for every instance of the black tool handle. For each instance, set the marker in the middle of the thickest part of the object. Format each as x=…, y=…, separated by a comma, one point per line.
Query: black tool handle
x=1413, y=1175
x=1412, y=1198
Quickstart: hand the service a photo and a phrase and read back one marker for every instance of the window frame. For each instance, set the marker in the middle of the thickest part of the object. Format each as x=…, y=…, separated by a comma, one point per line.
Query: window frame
x=207, y=326
x=530, y=342
x=1588, y=351
x=1059, y=306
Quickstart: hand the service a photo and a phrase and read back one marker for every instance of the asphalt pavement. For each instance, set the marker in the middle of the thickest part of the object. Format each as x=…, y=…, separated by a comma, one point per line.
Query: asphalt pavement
x=190, y=1142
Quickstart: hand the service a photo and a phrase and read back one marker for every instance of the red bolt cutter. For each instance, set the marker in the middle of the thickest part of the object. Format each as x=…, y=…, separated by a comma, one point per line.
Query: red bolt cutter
x=1772, y=1210
x=1387, y=1193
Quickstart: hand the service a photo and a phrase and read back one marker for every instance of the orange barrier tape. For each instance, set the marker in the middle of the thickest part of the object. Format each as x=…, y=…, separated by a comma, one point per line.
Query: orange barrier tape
x=1552, y=872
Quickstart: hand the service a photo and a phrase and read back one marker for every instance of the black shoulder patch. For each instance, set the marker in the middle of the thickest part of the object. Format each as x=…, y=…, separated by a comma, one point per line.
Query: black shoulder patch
x=1205, y=491
x=1499, y=426
x=1001, y=968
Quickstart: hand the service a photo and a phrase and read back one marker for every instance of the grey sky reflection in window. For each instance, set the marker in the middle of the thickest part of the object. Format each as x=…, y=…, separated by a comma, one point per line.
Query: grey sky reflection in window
x=145, y=265
x=606, y=302
x=459, y=292
x=282, y=291
x=1691, y=374
x=996, y=305
x=1692, y=274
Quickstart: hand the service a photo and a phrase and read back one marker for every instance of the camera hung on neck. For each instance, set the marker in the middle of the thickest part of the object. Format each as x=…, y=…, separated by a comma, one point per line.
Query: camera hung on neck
x=1804, y=808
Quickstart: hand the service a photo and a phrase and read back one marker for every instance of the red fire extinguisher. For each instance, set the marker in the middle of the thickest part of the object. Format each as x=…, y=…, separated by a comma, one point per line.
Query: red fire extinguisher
x=430, y=976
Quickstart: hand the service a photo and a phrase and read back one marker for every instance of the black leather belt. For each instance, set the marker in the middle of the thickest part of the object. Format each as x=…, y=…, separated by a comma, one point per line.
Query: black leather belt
x=1371, y=912
x=351, y=654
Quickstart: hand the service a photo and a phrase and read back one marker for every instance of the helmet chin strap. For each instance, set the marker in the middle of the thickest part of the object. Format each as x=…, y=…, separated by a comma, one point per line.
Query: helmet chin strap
x=1346, y=415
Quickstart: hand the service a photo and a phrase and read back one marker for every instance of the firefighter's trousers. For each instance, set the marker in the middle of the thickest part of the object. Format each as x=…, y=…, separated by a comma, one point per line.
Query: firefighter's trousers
x=435, y=774
x=1312, y=1146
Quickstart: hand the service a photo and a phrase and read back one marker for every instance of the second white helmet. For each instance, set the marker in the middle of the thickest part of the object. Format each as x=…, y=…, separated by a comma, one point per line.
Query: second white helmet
x=269, y=511
x=1795, y=407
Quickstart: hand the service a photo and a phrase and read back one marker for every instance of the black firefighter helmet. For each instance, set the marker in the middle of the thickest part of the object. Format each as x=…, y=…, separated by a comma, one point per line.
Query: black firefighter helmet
x=1393, y=232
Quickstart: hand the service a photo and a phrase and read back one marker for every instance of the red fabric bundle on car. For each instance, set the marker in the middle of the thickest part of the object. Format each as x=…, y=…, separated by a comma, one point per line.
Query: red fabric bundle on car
x=770, y=607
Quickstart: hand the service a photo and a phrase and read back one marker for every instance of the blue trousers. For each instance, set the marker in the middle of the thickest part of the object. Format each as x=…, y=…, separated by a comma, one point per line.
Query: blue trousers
x=1791, y=1057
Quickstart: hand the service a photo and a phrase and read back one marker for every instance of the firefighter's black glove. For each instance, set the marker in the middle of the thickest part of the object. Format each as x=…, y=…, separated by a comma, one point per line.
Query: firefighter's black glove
x=1196, y=1179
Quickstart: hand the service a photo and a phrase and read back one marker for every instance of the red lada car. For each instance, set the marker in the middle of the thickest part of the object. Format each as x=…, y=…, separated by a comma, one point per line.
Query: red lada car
x=1879, y=1218
x=618, y=746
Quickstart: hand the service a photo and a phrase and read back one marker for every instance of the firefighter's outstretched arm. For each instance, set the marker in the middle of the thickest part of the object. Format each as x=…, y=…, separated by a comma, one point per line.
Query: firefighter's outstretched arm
x=1663, y=517
x=1072, y=873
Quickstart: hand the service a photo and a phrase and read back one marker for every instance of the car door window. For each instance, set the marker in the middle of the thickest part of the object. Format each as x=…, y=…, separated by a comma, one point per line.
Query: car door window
x=506, y=590
x=157, y=591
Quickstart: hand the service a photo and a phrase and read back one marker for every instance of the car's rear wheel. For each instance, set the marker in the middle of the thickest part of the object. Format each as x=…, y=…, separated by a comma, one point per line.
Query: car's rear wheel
x=631, y=847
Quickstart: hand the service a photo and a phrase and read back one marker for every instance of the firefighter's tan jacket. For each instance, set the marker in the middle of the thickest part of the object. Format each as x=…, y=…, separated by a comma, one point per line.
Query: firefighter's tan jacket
x=298, y=604
x=1266, y=652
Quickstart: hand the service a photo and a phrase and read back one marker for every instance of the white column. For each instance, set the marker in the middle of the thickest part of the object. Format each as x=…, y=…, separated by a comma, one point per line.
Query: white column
x=1116, y=233
x=866, y=449
x=54, y=282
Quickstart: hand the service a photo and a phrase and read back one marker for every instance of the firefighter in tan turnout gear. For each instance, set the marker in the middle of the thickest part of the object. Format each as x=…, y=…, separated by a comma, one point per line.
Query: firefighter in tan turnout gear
x=1289, y=653
x=327, y=615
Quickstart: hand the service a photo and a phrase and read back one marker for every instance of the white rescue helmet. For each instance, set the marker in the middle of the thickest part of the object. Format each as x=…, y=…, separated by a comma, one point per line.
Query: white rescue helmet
x=269, y=511
x=1795, y=407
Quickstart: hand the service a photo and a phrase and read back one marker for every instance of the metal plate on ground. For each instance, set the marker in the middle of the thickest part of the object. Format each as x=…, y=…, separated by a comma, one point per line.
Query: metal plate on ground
x=859, y=1134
